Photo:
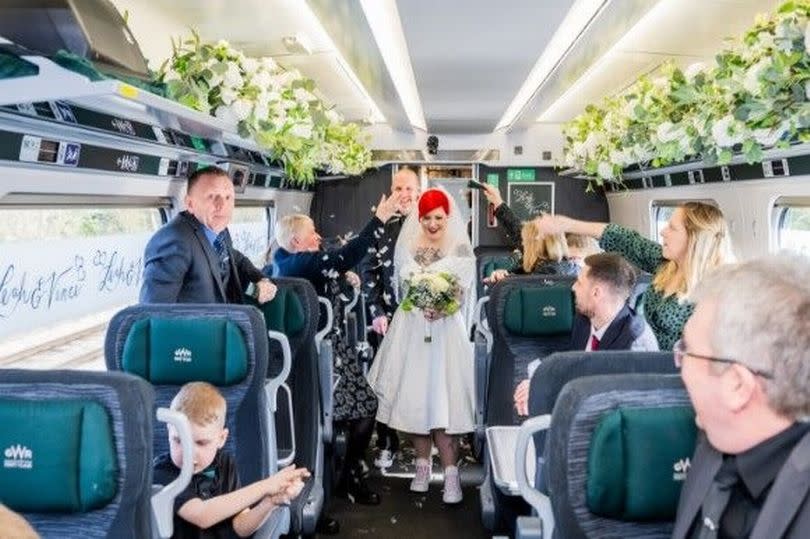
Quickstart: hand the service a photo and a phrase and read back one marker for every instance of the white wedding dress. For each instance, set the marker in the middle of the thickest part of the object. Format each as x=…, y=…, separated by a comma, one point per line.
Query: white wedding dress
x=421, y=385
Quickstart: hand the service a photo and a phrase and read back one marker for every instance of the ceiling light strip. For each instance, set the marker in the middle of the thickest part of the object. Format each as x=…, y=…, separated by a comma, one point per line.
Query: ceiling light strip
x=660, y=13
x=375, y=114
x=383, y=19
x=579, y=17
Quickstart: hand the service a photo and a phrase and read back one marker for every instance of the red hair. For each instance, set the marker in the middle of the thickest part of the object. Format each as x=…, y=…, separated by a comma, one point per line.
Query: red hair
x=432, y=199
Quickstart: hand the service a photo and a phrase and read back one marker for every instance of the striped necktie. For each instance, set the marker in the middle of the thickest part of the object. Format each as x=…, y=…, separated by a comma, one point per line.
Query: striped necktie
x=221, y=247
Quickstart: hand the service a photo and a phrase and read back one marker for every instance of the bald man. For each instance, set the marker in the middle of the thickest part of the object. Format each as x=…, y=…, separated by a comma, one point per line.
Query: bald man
x=377, y=276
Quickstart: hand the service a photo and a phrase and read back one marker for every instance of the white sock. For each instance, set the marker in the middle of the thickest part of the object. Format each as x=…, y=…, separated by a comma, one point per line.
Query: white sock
x=451, y=470
x=423, y=462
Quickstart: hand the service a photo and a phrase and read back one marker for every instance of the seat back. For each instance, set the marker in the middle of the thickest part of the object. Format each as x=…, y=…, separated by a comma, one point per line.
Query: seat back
x=616, y=452
x=642, y=283
x=489, y=261
x=295, y=312
x=560, y=368
x=225, y=345
x=530, y=317
x=77, y=452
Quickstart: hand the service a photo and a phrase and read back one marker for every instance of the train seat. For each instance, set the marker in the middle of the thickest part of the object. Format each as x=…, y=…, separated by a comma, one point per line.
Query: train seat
x=78, y=453
x=304, y=414
x=617, y=451
x=225, y=345
x=529, y=317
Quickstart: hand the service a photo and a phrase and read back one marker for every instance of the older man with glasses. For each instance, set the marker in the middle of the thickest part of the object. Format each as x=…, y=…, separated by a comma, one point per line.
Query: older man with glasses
x=745, y=361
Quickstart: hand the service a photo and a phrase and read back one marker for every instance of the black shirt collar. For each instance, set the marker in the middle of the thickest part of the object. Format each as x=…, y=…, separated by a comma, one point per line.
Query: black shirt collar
x=759, y=466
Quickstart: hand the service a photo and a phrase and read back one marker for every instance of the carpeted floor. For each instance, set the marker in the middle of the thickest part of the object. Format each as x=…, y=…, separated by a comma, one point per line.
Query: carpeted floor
x=410, y=515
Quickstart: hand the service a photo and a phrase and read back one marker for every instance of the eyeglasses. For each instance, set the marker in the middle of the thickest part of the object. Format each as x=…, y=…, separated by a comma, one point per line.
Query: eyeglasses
x=679, y=351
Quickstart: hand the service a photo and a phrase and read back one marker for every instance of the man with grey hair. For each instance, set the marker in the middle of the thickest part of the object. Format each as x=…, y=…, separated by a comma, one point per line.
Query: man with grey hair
x=745, y=361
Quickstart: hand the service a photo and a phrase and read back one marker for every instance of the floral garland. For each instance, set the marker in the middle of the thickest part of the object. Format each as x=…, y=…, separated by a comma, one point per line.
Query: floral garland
x=276, y=107
x=756, y=96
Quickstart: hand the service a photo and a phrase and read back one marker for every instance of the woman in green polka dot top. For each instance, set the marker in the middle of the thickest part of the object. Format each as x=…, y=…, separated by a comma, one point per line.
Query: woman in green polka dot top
x=695, y=242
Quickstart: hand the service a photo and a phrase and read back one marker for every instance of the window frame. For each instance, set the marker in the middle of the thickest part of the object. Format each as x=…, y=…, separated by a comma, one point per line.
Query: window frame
x=779, y=213
x=657, y=204
x=64, y=333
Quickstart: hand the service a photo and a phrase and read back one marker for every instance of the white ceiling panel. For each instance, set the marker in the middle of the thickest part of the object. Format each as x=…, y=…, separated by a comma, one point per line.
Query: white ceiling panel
x=470, y=57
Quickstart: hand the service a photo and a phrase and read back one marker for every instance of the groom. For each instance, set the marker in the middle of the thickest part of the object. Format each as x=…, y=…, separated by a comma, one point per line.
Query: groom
x=377, y=276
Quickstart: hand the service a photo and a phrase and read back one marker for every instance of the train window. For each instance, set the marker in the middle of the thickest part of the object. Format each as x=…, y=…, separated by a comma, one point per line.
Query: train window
x=252, y=229
x=65, y=270
x=661, y=211
x=793, y=225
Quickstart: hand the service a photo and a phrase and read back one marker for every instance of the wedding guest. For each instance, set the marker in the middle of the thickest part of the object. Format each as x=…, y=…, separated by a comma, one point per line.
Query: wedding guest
x=377, y=276
x=695, y=243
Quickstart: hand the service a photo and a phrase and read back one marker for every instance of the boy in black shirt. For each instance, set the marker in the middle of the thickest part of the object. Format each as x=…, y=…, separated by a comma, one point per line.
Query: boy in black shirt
x=214, y=505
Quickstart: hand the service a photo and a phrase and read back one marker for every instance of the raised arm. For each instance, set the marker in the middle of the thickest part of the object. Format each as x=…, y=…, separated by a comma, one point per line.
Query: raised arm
x=643, y=252
x=351, y=254
x=509, y=223
x=556, y=224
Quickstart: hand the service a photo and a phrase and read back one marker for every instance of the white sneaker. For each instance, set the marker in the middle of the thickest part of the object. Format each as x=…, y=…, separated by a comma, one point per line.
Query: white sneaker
x=452, y=486
x=421, y=481
x=385, y=459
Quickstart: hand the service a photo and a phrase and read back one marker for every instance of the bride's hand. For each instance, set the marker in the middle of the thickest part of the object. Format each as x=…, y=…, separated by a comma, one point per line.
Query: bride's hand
x=431, y=315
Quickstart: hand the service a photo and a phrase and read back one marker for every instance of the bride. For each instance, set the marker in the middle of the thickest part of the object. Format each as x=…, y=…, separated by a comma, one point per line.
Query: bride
x=426, y=388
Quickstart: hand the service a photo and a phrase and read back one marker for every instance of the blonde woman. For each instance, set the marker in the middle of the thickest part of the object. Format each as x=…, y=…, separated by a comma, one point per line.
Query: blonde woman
x=542, y=255
x=695, y=242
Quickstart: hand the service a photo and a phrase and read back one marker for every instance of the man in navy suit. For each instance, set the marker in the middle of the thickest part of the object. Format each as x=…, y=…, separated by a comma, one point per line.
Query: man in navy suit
x=604, y=319
x=191, y=259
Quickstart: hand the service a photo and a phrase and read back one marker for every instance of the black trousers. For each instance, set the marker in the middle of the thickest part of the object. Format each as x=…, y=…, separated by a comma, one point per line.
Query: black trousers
x=387, y=438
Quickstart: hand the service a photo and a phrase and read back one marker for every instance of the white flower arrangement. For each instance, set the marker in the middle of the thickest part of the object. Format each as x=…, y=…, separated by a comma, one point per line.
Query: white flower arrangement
x=755, y=96
x=278, y=108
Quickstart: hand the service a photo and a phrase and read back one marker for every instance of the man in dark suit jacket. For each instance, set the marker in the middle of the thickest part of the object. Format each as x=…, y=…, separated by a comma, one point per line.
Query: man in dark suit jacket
x=378, y=286
x=604, y=319
x=191, y=258
x=377, y=269
x=743, y=359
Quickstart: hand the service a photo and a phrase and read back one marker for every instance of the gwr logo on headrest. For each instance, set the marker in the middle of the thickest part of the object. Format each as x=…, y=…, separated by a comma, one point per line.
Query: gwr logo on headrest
x=549, y=310
x=680, y=469
x=18, y=456
x=183, y=355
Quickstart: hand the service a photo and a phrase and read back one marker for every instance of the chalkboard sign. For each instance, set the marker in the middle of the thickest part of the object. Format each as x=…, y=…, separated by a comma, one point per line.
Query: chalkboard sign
x=528, y=199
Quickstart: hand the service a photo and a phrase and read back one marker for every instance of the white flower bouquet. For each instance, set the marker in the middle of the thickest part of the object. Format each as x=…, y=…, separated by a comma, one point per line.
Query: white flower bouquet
x=278, y=108
x=429, y=291
x=755, y=96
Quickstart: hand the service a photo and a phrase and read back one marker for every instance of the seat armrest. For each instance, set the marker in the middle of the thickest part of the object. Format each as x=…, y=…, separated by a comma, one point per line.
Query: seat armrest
x=163, y=499
x=539, y=501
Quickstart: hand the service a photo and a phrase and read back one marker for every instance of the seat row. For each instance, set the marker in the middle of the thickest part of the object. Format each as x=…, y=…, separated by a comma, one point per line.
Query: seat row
x=572, y=394
x=79, y=445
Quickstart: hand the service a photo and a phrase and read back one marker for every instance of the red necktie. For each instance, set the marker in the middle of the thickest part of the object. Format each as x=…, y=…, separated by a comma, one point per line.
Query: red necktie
x=594, y=343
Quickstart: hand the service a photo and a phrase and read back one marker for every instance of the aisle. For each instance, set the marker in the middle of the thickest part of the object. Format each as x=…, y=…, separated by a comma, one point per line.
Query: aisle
x=410, y=515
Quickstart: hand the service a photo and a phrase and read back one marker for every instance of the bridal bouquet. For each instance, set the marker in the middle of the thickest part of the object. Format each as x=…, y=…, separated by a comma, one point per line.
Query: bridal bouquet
x=437, y=292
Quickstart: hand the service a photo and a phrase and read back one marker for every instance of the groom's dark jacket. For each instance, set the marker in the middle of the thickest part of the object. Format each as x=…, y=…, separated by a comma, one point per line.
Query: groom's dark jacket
x=377, y=270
